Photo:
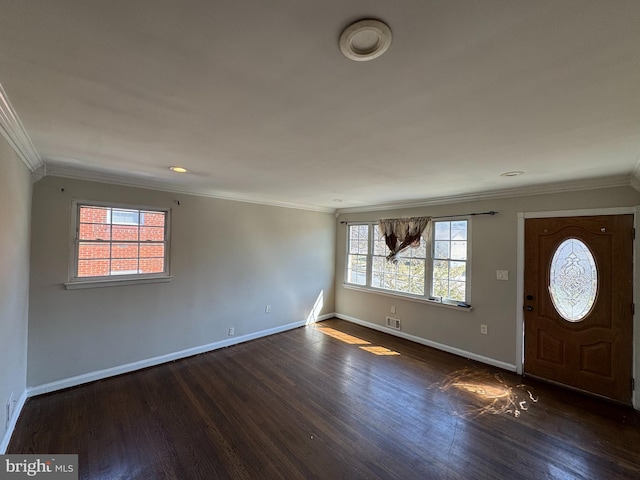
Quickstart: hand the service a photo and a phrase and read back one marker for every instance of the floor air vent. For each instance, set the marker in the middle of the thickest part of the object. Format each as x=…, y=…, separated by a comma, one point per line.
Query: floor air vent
x=393, y=323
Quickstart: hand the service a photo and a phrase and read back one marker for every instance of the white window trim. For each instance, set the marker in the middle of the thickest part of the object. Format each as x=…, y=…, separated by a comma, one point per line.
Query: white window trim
x=428, y=270
x=74, y=282
x=411, y=298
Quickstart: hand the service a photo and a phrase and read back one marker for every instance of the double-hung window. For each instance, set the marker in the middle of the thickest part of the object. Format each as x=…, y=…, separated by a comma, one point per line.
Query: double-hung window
x=114, y=243
x=450, y=260
x=438, y=271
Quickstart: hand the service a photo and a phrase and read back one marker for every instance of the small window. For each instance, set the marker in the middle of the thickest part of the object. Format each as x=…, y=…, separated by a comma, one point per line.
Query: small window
x=113, y=242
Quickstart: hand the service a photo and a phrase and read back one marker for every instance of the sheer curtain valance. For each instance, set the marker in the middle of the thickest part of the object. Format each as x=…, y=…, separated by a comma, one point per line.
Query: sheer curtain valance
x=402, y=233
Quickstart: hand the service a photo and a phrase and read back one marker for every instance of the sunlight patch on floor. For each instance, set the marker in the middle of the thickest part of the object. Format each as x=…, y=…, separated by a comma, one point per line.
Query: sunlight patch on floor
x=480, y=392
x=344, y=337
x=379, y=350
x=352, y=340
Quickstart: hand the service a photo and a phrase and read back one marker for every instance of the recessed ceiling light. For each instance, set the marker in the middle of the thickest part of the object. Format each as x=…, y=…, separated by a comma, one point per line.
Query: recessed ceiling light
x=365, y=40
x=512, y=174
x=337, y=200
x=178, y=169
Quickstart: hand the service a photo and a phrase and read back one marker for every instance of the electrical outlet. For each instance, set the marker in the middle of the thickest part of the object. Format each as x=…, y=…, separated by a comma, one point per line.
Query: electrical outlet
x=267, y=309
x=232, y=332
x=483, y=329
x=393, y=309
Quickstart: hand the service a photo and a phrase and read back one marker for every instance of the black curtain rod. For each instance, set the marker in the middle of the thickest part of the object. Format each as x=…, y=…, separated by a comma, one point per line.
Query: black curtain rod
x=492, y=212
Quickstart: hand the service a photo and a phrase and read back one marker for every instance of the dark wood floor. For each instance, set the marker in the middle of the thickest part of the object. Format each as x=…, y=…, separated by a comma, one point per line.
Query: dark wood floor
x=318, y=402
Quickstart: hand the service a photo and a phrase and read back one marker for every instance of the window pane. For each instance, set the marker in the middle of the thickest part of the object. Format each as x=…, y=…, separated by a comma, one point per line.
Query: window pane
x=417, y=268
x=151, y=265
x=377, y=273
x=125, y=232
x=441, y=288
x=125, y=217
x=389, y=282
x=441, y=269
x=421, y=251
x=379, y=245
x=442, y=231
x=94, y=215
x=149, y=250
x=459, y=230
x=89, y=231
x=456, y=291
x=124, y=250
x=93, y=268
x=459, y=250
x=441, y=249
x=457, y=270
x=124, y=266
x=152, y=233
x=417, y=286
x=362, y=246
x=359, y=239
x=88, y=250
x=152, y=219
x=357, y=269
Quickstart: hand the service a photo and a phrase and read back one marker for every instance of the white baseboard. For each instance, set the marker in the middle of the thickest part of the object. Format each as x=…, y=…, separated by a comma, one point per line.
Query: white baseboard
x=429, y=343
x=12, y=423
x=151, y=362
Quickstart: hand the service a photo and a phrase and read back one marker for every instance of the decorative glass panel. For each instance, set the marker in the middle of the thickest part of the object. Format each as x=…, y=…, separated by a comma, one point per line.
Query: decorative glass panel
x=573, y=280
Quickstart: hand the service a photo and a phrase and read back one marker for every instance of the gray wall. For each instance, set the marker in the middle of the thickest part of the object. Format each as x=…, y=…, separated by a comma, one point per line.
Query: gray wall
x=493, y=247
x=229, y=260
x=15, y=214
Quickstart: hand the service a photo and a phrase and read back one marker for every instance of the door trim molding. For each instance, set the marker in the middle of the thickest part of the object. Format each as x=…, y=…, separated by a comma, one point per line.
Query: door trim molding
x=522, y=216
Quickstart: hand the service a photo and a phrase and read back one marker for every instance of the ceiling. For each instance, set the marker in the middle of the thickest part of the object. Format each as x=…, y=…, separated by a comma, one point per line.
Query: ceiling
x=257, y=101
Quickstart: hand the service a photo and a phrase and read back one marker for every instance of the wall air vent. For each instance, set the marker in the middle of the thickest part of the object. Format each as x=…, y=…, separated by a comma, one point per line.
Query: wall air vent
x=393, y=323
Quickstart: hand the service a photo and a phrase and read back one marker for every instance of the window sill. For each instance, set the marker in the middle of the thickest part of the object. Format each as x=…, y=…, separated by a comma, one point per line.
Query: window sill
x=119, y=282
x=406, y=297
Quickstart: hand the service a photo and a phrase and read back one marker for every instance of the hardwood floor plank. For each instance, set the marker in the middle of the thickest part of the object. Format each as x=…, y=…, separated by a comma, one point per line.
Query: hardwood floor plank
x=331, y=401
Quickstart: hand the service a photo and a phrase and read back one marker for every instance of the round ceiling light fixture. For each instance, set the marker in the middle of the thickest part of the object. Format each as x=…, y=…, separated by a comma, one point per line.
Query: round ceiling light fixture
x=365, y=40
x=178, y=169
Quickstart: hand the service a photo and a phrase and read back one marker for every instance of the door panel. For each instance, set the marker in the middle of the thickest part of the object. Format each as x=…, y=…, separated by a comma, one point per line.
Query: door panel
x=593, y=353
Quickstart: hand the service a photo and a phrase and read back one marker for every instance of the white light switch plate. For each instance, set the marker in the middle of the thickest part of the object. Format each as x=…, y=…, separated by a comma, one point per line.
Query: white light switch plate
x=502, y=274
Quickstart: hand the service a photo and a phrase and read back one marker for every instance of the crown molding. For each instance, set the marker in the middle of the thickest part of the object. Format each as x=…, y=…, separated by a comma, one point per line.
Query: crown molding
x=53, y=170
x=14, y=132
x=631, y=180
x=545, y=189
x=634, y=180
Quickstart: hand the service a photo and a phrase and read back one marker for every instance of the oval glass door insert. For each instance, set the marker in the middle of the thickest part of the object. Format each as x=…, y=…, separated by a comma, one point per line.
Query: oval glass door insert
x=573, y=280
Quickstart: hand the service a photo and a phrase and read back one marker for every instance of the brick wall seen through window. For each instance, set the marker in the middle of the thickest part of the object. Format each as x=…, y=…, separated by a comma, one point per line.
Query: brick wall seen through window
x=120, y=241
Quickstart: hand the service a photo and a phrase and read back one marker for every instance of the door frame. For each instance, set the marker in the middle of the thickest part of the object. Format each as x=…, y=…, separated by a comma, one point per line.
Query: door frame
x=522, y=216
